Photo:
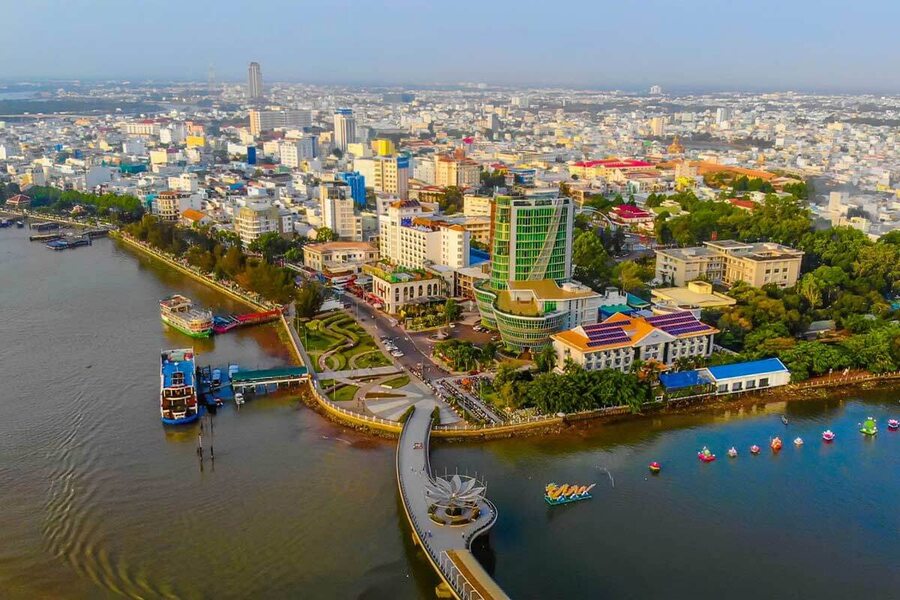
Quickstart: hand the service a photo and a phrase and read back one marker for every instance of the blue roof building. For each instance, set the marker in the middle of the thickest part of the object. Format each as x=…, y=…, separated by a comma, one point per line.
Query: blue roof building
x=748, y=376
x=682, y=379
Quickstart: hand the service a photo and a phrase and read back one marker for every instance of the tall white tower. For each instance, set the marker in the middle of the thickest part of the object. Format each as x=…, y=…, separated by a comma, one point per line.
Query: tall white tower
x=344, y=128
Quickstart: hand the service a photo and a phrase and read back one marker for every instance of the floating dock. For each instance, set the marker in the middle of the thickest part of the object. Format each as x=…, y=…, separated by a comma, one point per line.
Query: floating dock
x=68, y=243
x=44, y=237
x=225, y=323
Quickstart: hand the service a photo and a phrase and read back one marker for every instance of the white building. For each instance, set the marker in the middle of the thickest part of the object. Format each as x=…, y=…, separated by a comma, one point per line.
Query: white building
x=337, y=206
x=747, y=376
x=620, y=340
x=413, y=239
x=186, y=182
x=266, y=120
x=344, y=128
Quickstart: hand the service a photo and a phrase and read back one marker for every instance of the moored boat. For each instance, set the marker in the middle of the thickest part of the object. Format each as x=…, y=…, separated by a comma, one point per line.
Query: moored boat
x=179, y=312
x=776, y=444
x=754, y=449
x=893, y=424
x=798, y=441
x=732, y=452
x=828, y=435
x=177, y=388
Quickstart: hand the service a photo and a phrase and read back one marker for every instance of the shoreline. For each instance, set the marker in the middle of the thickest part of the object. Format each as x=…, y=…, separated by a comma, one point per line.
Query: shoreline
x=550, y=425
x=170, y=261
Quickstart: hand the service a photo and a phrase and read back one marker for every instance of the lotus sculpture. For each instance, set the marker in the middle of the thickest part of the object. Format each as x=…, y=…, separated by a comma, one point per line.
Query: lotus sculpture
x=454, y=499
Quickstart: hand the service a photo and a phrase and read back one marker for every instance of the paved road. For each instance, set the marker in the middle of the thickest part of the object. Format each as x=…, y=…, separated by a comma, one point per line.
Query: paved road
x=416, y=350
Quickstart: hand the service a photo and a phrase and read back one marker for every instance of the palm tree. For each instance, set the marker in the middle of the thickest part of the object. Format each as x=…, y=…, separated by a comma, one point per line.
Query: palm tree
x=545, y=359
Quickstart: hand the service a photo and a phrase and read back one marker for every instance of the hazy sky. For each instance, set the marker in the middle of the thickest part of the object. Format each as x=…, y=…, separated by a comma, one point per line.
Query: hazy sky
x=721, y=44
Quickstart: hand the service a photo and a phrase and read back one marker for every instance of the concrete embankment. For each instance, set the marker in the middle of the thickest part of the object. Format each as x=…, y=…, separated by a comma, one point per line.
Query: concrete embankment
x=238, y=294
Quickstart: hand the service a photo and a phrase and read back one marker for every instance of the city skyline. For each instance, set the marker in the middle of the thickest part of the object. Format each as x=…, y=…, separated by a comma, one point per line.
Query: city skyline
x=698, y=47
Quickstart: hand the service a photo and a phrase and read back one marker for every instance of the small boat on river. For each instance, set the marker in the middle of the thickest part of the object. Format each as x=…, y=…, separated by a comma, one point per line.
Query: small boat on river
x=564, y=494
x=732, y=452
x=893, y=424
x=754, y=449
x=869, y=427
x=828, y=436
x=705, y=455
x=798, y=441
x=655, y=467
x=776, y=444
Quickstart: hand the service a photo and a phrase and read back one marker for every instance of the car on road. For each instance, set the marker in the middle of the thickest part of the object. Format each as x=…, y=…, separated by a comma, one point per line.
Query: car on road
x=397, y=354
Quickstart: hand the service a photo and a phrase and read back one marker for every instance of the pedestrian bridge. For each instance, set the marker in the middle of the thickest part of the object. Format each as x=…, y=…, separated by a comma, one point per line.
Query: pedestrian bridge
x=447, y=547
x=265, y=377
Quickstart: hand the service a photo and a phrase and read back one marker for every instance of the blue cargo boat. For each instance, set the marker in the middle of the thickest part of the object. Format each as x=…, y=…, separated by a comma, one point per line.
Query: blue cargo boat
x=177, y=387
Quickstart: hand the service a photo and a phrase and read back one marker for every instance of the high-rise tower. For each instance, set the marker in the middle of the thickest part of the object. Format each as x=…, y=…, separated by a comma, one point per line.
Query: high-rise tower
x=530, y=293
x=344, y=128
x=254, y=81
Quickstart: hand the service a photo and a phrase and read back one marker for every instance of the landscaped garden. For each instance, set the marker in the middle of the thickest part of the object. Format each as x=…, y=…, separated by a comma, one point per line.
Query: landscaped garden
x=336, y=343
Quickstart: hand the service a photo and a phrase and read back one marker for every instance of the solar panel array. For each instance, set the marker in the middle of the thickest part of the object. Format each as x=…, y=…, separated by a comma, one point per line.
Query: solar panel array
x=603, y=334
x=678, y=323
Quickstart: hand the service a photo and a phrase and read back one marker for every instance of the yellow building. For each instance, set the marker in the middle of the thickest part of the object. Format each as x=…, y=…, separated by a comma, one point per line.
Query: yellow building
x=456, y=171
x=477, y=206
x=383, y=147
x=729, y=261
x=195, y=141
x=159, y=157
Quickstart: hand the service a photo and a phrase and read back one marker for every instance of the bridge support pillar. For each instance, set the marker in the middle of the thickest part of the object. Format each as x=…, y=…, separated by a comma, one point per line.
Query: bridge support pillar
x=442, y=590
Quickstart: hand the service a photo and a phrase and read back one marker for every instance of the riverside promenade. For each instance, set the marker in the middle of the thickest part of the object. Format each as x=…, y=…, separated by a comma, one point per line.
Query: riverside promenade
x=447, y=547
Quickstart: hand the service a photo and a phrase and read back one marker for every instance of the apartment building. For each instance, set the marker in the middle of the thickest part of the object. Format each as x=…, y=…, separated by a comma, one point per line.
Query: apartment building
x=620, y=340
x=389, y=174
x=456, y=170
x=408, y=236
x=477, y=206
x=337, y=206
x=728, y=261
x=254, y=219
x=266, y=120
x=167, y=205
x=344, y=128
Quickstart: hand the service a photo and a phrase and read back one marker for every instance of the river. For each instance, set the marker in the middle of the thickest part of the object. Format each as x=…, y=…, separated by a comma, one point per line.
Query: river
x=100, y=500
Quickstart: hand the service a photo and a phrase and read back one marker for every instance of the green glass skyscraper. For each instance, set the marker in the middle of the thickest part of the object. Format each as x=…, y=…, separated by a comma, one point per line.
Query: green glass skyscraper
x=530, y=293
